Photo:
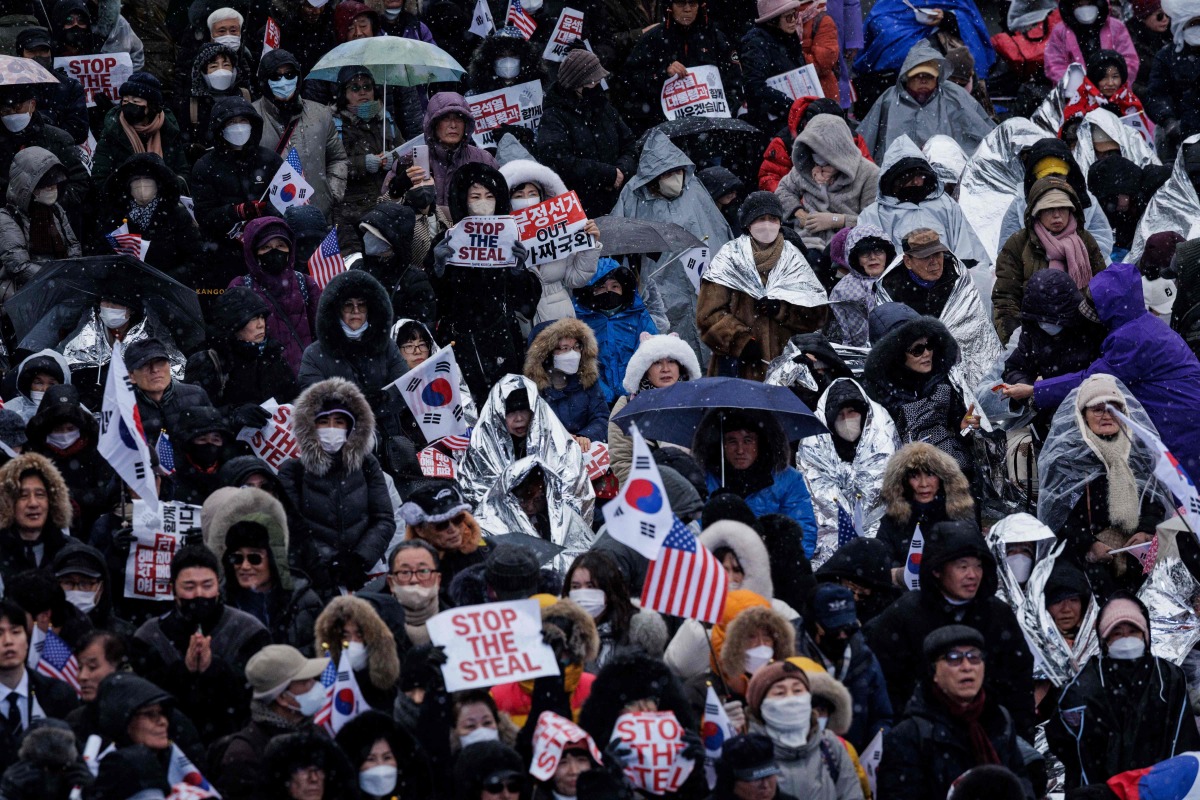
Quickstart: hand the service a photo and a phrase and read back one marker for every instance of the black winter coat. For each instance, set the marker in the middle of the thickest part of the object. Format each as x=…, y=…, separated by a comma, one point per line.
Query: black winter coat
x=64, y=105
x=39, y=133
x=164, y=415
x=56, y=698
x=411, y=292
x=863, y=678
x=243, y=374
x=898, y=536
x=1174, y=91
x=12, y=550
x=766, y=51
x=290, y=615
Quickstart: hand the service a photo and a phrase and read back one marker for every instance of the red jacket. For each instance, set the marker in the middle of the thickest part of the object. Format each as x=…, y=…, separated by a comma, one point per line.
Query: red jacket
x=777, y=160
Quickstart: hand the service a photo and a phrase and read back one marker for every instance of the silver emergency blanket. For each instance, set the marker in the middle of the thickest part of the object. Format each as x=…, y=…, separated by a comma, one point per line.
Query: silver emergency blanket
x=994, y=177
x=1017, y=529
x=832, y=481
x=994, y=405
x=1024, y=14
x=1049, y=116
x=968, y=322
x=88, y=345
x=1133, y=146
x=491, y=449
x=1067, y=463
x=1170, y=593
x=500, y=514
x=790, y=371
x=1053, y=659
x=1056, y=773
x=791, y=280
x=470, y=412
x=1174, y=207
x=947, y=158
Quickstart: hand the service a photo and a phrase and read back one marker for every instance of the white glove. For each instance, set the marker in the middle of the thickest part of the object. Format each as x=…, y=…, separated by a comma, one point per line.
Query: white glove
x=737, y=715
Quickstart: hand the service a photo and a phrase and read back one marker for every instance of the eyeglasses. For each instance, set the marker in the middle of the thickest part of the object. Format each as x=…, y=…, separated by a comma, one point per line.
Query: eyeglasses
x=255, y=559
x=413, y=349
x=361, y=87
x=354, y=305
x=510, y=785
x=421, y=574
x=918, y=350
x=956, y=657
x=560, y=349
x=1101, y=411
x=457, y=519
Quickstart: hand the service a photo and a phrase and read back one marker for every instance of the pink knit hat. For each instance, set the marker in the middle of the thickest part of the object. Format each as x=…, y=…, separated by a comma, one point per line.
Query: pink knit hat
x=770, y=9
x=1118, y=610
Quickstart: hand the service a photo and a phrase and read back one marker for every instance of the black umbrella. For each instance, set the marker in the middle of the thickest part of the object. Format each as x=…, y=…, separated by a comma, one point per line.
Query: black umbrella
x=708, y=141
x=544, y=549
x=718, y=128
x=80, y=282
x=621, y=236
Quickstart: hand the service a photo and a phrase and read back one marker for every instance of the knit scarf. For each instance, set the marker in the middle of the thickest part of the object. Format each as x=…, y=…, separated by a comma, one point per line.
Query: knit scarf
x=45, y=239
x=766, y=256
x=150, y=130
x=1123, y=500
x=261, y=713
x=1066, y=251
x=969, y=714
x=140, y=216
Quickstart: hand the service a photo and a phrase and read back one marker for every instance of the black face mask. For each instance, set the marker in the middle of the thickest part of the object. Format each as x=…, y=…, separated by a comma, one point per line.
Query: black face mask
x=134, y=114
x=204, y=455
x=46, y=62
x=201, y=611
x=421, y=197
x=914, y=194
x=78, y=38
x=594, y=97
x=607, y=301
x=274, y=262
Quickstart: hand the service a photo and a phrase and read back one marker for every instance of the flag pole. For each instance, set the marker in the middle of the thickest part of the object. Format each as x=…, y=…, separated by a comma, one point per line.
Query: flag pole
x=717, y=663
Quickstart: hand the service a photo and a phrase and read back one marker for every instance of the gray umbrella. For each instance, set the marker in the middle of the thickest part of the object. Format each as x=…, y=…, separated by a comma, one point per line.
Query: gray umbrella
x=622, y=236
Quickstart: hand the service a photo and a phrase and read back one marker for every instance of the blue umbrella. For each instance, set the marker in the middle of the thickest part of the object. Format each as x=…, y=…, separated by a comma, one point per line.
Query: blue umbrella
x=673, y=413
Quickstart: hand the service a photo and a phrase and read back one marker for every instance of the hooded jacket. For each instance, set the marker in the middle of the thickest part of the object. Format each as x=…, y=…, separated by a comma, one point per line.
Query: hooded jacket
x=44, y=360
x=444, y=161
x=627, y=677
x=13, y=557
x=579, y=404
x=378, y=679
x=563, y=275
x=777, y=160
x=481, y=72
x=402, y=275
x=950, y=111
x=1062, y=46
x=19, y=263
x=1173, y=92
x=343, y=496
x=38, y=133
x=618, y=333
x=902, y=514
x=190, y=67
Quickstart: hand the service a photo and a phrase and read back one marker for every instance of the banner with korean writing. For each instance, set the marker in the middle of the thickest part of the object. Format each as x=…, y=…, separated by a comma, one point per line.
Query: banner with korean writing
x=568, y=28
x=102, y=73
x=156, y=537
x=514, y=105
x=483, y=242
x=698, y=93
x=554, y=229
x=274, y=442
x=655, y=740
x=802, y=82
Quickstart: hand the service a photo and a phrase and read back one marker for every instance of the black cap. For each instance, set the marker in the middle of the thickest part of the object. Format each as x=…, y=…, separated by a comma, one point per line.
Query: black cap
x=512, y=572
x=33, y=38
x=435, y=501
x=833, y=606
x=748, y=758
x=517, y=400
x=80, y=562
x=938, y=643
x=143, y=351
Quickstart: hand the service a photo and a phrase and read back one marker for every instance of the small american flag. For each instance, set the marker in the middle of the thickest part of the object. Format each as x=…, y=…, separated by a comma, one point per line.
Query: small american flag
x=686, y=580
x=328, y=677
x=125, y=243
x=521, y=19
x=293, y=159
x=457, y=442
x=166, y=453
x=58, y=662
x=848, y=531
x=326, y=261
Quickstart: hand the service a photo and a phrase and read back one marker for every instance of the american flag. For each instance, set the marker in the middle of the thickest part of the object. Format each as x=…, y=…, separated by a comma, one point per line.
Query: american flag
x=686, y=580
x=848, y=531
x=457, y=442
x=328, y=677
x=326, y=261
x=58, y=662
x=125, y=243
x=166, y=453
x=521, y=19
x=293, y=159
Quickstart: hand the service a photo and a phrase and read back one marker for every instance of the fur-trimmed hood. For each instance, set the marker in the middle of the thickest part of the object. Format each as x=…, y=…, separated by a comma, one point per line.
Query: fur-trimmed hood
x=737, y=638
x=524, y=171
x=383, y=664
x=345, y=285
x=822, y=684
x=885, y=362
x=750, y=550
x=471, y=542
x=540, y=356
x=655, y=348
x=59, y=496
x=629, y=676
x=51, y=744
x=229, y=505
x=359, y=441
x=925, y=457
x=582, y=638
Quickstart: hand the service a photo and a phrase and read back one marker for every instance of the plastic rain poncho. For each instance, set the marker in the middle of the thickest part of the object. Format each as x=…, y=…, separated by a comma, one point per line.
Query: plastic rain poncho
x=1024, y=14
x=1017, y=529
x=491, y=449
x=1133, y=146
x=1169, y=594
x=1053, y=658
x=1174, y=207
x=500, y=514
x=947, y=158
x=832, y=481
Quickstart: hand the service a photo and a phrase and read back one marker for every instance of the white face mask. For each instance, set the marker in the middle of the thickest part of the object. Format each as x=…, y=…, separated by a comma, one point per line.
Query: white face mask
x=590, y=600
x=788, y=719
x=481, y=208
x=479, y=735
x=522, y=203
x=393, y=13
x=84, y=601
x=36, y=397
x=234, y=43
x=16, y=122
x=311, y=701
x=1021, y=566
x=507, y=67
x=567, y=362
x=758, y=657
x=764, y=231
x=377, y=781
x=220, y=80
x=355, y=652
x=237, y=134
x=355, y=334
x=143, y=190
x=849, y=428
x=113, y=318
x=671, y=186
x=1191, y=36
x=374, y=246
x=1050, y=328
x=46, y=197
x=332, y=440
x=1086, y=15
x=62, y=440
x=413, y=595
x=1127, y=648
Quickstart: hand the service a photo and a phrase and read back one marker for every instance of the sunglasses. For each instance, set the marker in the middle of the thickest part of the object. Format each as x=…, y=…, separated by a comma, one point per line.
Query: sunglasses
x=458, y=519
x=956, y=657
x=918, y=350
x=287, y=76
x=361, y=87
x=510, y=785
x=255, y=559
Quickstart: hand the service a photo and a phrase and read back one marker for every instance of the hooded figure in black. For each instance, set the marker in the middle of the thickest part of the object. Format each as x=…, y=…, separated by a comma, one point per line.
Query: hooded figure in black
x=824, y=364
x=630, y=676
x=1185, y=314
x=39, y=133
x=119, y=699
x=483, y=319
x=726, y=190
x=197, y=465
x=293, y=752
x=78, y=558
x=503, y=59
x=359, y=735
x=1117, y=184
x=865, y=567
x=899, y=631
x=387, y=234
x=196, y=95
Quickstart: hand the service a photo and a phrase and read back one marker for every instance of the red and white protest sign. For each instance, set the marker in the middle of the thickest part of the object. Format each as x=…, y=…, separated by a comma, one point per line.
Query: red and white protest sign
x=550, y=738
x=597, y=461
x=513, y=105
x=435, y=463
x=554, y=229
x=492, y=643
x=271, y=36
x=655, y=739
x=800, y=82
x=483, y=242
x=157, y=535
x=568, y=28
x=274, y=442
x=102, y=73
x=697, y=93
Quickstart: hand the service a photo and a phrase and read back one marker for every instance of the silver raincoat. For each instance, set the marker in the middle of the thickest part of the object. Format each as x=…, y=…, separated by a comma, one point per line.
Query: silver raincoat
x=1169, y=594
x=88, y=345
x=470, y=412
x=500, y=514
x=947, y=158
x=1049, y=116
x=1174, y=207
x=491, y=449
x=1053, y=659
x=1024, y=14
x=1133, y=146
x=832, y=481
x=791, y=280
x=1017, y=529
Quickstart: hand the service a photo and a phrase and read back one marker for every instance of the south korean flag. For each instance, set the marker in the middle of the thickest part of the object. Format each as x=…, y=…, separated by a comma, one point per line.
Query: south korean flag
x=431, y=393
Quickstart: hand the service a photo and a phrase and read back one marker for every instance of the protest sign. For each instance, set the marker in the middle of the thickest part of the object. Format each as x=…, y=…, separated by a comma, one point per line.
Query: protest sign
x=435, y=463
x=655, y=740
x=697, y=93
x=695, y=261
x=597, y=461
x=492, y=643
x=552, y=735
x=554, y=229
x=513, y=105
x=274, y=442
x=271, y=36
x=798, y=83
x=568, y=28
x=483, y=242
x=102, y=73
x=157, y=535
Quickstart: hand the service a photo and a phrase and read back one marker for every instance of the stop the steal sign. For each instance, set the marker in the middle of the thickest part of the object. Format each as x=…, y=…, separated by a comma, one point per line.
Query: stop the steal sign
x=492, y=643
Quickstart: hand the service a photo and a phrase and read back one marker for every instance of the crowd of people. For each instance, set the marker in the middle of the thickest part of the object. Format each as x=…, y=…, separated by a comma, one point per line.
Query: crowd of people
x=970, y=253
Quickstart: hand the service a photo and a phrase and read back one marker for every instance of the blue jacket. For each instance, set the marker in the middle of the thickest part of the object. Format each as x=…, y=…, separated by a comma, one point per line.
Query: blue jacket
x=863, y=678
x=617, y=334
x=892, y=30
x=582, y=411
x=787, y=495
